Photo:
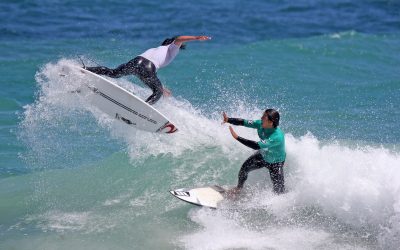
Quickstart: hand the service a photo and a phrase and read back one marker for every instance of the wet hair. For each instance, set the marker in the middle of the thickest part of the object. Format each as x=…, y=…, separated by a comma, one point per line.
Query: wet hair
x=273, y=116
x=168, y=41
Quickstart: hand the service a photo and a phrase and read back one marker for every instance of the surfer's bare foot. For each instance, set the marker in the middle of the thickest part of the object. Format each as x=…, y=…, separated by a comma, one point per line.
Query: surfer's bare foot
x=166, y=92
x=233, y=193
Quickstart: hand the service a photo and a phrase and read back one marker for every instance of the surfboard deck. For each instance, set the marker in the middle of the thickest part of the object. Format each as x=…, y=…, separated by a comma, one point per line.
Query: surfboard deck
x=209, y=196
x=117, y=102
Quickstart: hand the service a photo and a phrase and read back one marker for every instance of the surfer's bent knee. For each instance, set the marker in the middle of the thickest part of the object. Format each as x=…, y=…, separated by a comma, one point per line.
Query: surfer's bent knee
x=157, y=93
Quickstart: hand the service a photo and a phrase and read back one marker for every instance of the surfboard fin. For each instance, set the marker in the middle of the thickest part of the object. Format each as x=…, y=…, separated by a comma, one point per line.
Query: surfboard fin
x=83, y=64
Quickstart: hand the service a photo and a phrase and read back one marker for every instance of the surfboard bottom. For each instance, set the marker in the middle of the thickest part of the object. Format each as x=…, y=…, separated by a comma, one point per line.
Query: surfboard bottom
x=117, y=102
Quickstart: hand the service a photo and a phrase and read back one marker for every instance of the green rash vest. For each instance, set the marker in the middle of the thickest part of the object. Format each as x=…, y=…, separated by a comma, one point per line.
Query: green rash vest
x=272, y=144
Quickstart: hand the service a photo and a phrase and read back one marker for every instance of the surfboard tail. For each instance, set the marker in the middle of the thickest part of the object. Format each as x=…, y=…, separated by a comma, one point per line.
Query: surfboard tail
x=167, y=128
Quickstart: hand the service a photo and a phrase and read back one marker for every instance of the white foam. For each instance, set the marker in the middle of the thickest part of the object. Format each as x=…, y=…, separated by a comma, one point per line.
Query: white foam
x=357, y=185
x=221, y=232
x=339, y=35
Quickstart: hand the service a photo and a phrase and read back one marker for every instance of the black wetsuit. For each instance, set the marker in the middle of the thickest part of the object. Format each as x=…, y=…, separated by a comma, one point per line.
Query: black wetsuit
x=257, y=161
x=144, y=69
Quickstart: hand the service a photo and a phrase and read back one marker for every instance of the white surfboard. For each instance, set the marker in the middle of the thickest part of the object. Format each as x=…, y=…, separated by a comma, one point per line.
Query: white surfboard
x=118, y=102
x=205, y=196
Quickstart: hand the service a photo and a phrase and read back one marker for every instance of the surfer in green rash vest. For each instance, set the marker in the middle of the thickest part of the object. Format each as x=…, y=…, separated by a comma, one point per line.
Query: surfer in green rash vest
x=270, y=153
x=145, y=65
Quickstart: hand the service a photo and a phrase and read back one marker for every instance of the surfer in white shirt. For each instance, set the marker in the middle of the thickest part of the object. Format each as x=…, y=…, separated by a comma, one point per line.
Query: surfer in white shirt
x=145, y=65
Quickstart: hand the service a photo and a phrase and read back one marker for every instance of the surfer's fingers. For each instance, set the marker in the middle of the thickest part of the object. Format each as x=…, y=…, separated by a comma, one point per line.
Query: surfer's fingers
x=225, y=117
x=204, y=38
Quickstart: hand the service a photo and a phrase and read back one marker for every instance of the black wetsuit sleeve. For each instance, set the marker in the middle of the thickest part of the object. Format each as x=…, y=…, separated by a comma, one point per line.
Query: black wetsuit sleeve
x=236, y=121
x=248, y=143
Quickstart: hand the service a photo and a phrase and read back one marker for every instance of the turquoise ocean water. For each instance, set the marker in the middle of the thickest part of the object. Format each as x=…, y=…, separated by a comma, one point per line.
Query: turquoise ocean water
x=72, y=178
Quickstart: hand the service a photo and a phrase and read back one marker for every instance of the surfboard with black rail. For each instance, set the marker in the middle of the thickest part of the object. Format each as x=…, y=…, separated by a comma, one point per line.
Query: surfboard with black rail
x=117, y=102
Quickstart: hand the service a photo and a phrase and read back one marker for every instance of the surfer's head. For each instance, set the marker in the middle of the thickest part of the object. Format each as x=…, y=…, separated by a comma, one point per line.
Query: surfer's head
x=270, y=118
x=168, y=41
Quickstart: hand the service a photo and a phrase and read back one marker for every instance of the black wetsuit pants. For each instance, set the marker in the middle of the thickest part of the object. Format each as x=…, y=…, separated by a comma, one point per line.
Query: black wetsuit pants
x=140, y=67
x=256, y=161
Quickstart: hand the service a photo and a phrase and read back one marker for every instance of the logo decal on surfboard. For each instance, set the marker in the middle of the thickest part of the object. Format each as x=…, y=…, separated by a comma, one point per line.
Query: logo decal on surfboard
x=181, y=193
x=127, y=121
x=95, y=90
x=170, y=126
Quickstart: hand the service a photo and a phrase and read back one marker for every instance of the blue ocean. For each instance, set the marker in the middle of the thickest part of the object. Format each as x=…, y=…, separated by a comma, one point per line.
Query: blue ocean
x=74, y=178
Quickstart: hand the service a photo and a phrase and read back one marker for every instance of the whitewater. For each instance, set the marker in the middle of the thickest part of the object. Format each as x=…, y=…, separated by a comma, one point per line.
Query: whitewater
x=98, y=182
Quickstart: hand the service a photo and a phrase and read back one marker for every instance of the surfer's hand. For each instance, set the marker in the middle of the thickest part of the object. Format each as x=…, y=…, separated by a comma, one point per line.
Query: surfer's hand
x=203, y=38
x=225, y=117
x=166, y=92
x=233, y=133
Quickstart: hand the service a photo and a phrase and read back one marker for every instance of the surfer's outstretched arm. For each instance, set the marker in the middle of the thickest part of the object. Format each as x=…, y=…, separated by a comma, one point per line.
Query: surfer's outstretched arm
x=249, y=143
x=241, y=122
x=234, y=121
x=181, y=39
